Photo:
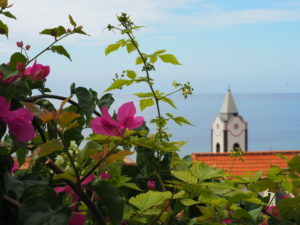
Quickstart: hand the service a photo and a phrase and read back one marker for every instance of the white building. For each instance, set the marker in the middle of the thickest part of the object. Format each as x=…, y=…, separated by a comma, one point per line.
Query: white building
x=229, y=129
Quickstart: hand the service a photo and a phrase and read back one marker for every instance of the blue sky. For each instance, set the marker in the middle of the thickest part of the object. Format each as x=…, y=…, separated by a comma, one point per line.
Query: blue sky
x=251, y=45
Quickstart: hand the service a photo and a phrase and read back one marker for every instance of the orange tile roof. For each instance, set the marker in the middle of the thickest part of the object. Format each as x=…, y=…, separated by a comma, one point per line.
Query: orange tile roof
x=252, y=161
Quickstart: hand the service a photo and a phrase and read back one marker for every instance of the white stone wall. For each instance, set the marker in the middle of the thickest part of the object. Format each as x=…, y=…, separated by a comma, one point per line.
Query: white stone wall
x=236, y=132
x=218, y=127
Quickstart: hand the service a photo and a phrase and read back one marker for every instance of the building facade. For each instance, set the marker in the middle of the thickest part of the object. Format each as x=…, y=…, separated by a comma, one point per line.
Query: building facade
x=229, y=129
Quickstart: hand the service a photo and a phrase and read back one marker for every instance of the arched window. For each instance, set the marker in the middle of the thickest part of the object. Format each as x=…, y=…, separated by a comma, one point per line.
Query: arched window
x=236, y=145
x=218, y=147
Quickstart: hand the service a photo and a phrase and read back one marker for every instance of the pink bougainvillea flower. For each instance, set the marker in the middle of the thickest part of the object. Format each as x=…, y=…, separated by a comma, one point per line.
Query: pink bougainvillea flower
x=273, y=211
x=77, y=219
x=18, y=121
x=151, y=184
x=8, y=80
x=68, y=190
x=37, y=72
x=105, y=176
x=19, y=124
x=227, y=221
x=126, y=119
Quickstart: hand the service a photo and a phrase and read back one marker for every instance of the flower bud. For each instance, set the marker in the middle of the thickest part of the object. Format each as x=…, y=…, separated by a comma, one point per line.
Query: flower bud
x=27, y=47
x=20, y=44
x=3, y=4
x=151, y=184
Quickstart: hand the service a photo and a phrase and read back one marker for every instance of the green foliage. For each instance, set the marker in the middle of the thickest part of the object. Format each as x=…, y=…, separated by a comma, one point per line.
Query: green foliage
x=110, y=198
x=60, y=50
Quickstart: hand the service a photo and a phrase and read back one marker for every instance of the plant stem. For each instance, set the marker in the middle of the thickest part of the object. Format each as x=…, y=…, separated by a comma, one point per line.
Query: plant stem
x=101, y=161
x=34, y=98
x=92, y=207
x=41, y=132
x=173, y=92
x=11, y=201
x=148, y=77
x=47, y=48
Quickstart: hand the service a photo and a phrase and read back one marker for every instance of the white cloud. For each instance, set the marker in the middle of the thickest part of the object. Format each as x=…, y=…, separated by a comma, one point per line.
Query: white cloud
x=33, y=16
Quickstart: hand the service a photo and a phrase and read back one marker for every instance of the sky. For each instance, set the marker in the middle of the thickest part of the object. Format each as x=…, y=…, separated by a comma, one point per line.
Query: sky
x=251, y=45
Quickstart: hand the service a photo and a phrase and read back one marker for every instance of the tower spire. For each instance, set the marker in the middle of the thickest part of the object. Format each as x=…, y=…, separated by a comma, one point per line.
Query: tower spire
x=229, y=107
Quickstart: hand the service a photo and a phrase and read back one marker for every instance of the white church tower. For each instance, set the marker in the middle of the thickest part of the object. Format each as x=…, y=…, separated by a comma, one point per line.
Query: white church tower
x=229, y=130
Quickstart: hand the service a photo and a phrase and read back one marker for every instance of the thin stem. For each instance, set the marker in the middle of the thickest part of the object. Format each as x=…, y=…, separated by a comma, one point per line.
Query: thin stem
x=173, y=92
x=101, y=161
x=148, y=77
x=11, y=201
x=71, y=161
x=92, y=207
x=34, y=98
x=41, y=132
x=47, y=48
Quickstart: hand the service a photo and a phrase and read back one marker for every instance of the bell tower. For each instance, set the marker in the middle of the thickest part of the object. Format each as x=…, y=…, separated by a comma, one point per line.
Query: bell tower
x=229, y=129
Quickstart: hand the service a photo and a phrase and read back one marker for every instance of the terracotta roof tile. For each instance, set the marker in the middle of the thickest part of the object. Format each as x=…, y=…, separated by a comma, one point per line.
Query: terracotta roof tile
x=252, y=161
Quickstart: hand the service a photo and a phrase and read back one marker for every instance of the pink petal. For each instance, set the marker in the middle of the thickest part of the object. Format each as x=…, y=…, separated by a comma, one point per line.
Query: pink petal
x=138, y=122
x=22, y=113
x=62, y=189
x=21, y=129
x=87, y=180
x=126, y=111
x=77, y=219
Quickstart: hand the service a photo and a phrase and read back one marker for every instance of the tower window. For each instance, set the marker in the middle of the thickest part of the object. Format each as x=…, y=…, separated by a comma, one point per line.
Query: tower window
x=218, y=147
x=236, y=145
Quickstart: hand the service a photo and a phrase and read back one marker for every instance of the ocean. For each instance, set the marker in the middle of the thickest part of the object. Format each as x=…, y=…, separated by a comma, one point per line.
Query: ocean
x=273, y=120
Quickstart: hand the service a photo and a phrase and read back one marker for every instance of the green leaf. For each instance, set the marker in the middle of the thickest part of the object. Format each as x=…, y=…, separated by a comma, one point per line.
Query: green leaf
x=106, y=100
x=40, y=205
x=294, y=164
x=50, y=147
x=85, y=101
x=188, y=202
x=204, y=172
x=7, y=71
x=55, y=32
x=185, y=176
x=112, y=48
x=13, y=184
x=21, y=156
x=130, y=47
x=139, y=60
x=131, y=74
x=287, y=186
x=149, y=199
x=118, y=84
x=64, y=176
x=144, y=95
x=254, y=213
x=72, y=21
x=153, y=58
x=8, y=14
x=61, y=50
x=3, y=29
x=89, y=149
x=80, y=31
x=242, y=214
x=169, y=58
x=145, y=103
x=110, y=199
x=170, y=101
x=16, y=58
x=73, y=134
x=159, y=52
